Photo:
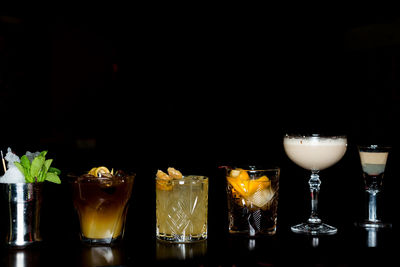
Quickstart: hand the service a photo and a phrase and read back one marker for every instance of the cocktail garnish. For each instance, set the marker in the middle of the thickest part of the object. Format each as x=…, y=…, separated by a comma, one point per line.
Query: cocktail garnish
x=162, y=175
x=257, y=191
x=100, y=171
x=2, y=159
x=39, y=169
x=164, y=182
x=174, y=174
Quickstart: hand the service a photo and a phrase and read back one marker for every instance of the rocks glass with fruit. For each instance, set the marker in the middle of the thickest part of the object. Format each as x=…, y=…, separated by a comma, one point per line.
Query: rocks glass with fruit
x=252, y=200
x=101, y=201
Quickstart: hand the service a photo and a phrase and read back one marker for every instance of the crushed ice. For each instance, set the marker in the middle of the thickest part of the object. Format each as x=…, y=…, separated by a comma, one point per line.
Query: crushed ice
x=31, y=155
x=11, y=158
x=13, y=174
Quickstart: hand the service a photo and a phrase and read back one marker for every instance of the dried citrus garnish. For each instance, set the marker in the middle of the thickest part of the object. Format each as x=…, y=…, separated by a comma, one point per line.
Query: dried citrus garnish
x=174, y=174
x=97, y=171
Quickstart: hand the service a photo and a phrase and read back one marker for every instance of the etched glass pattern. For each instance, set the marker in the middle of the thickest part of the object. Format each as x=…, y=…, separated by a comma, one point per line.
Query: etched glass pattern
x=181, y=210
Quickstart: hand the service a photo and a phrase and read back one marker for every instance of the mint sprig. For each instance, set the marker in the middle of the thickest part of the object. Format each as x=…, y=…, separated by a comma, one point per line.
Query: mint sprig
x=39, y=170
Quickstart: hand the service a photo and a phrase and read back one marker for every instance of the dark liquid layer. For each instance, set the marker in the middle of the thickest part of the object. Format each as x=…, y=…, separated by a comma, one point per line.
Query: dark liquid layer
x=102, y=207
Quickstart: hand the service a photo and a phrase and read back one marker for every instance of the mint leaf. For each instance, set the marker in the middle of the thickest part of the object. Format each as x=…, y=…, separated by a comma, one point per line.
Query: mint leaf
x=55, y=170
x=25, y=172
x=47, y=164
x=20, y=167
x=39, y=169
x=25, y=162
x=40, y=177
x=37, y=164
x=44, y=169
x=52, y=177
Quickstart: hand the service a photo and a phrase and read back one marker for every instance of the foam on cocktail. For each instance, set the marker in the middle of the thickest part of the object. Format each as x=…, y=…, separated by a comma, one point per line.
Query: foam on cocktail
x=315, y=153
x=316, y=140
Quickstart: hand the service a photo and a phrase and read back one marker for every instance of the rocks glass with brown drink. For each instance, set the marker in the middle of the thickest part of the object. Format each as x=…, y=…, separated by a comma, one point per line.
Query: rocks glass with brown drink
x=252, y=200
x=101, y=200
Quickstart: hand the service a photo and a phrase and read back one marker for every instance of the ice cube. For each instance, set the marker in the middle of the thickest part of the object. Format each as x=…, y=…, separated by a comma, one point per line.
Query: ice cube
x=11, y=158
x=12, y=176
x=31, y=155
x=261, y=197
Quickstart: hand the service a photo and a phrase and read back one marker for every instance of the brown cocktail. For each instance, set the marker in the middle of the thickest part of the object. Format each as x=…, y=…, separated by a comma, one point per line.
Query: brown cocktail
x=101, y=200
x=252, y=201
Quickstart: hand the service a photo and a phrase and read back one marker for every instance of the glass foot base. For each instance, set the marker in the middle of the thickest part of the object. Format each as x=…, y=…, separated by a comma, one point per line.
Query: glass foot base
x=181, y=238
x=374, y=224
x=253, y=234
x=100, y=241
x=314, y=229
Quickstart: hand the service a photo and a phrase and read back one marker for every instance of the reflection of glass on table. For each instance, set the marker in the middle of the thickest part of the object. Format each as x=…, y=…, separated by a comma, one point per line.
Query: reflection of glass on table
x=24, y=258
x=373, y=162
x=102, y=256
x=372, y=237
x=180, y=251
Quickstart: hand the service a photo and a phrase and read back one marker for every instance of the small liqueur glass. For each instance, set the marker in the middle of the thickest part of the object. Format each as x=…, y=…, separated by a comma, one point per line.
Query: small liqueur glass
x=373, y=162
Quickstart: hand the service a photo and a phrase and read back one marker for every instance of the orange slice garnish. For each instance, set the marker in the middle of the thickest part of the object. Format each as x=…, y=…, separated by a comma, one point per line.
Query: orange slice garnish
x=246, y=187
x=258, y=184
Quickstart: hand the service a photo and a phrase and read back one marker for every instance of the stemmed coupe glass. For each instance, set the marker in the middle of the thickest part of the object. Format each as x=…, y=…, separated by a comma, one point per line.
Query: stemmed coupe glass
x=314, y=152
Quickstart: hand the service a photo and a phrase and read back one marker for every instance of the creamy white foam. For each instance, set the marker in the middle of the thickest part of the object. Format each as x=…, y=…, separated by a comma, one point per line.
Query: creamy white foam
x=315, y=153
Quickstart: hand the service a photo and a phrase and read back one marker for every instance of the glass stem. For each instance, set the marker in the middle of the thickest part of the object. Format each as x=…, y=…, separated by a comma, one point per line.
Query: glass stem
x=314, y=183
x=372, y=213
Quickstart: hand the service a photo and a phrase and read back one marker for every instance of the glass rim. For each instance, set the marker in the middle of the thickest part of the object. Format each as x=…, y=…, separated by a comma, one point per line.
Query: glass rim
x=75, y=178
x=187, y=178
x=271, y=169
x=374, y=147
x=315, y=135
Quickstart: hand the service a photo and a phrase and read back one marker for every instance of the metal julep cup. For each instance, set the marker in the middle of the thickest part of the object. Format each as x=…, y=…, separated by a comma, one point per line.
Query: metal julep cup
x=22, y=202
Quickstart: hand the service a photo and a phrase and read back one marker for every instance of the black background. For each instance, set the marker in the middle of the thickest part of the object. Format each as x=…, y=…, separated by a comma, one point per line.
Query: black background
x=197, y=89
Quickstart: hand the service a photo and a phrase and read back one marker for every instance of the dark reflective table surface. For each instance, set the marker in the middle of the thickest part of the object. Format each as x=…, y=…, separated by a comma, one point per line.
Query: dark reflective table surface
x=370, y=250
